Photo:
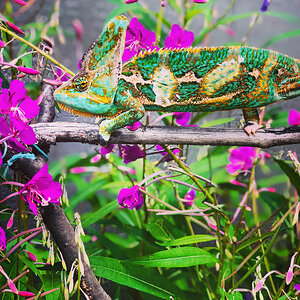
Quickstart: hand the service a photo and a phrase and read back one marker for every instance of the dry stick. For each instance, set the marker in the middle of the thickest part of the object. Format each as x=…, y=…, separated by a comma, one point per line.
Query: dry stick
x=53, y=216
x=52, y=133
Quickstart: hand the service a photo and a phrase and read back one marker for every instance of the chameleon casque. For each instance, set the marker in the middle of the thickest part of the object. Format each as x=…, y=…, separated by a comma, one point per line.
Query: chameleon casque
x=175, y=80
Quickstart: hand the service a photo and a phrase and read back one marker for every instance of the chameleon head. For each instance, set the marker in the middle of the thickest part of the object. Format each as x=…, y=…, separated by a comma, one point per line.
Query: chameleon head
x=87, y=94
x=91, y=92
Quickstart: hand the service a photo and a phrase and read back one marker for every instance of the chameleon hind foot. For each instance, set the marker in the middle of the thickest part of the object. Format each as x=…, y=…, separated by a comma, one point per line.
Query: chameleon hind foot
x=251, y=127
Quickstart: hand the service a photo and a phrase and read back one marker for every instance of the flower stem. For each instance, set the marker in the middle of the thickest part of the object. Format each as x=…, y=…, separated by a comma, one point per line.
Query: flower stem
x=37, y=49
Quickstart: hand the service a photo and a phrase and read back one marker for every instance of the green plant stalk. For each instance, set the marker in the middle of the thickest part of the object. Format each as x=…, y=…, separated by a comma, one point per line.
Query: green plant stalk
x=222, y=255
x=159, y=25
x=205, y=192
x=37, y=49
x=214, y=26
x=258, y=262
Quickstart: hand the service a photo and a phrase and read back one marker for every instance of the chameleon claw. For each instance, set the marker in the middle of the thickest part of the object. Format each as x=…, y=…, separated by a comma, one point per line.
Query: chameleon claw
x=251, y=127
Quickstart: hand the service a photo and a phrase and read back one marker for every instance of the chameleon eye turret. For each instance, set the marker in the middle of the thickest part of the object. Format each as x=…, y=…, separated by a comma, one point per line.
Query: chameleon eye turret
x=81, y=83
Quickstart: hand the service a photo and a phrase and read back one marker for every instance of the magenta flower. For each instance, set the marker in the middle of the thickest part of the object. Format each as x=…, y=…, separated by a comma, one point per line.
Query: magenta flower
x=28, y=70
x=131, y=198
x=107, y=149
x=200, y=1
x=134, y=126
x=14, y=27
x=130, y=1
x=2, y=44
x=294, y=117
x=2, y=240
x=165, y=153
x=183, y=118
x=0, y=159
x=297, y=286
x=16, y=103
x=190, y=196
x=17, y=132
x=137, y=38
x=179, y=38
x=21, y=2
x=265, y=5
x=41, y=189
x=131, y=153
x=240, y=159
x=62, y=75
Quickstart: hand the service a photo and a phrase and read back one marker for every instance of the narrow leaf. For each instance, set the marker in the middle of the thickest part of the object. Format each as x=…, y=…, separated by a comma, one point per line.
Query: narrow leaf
x=216, y=122
x=190, y=239
x=100, y=213
x=177, y=258
x=290, y=172
x=139, y=278
x=282, y=36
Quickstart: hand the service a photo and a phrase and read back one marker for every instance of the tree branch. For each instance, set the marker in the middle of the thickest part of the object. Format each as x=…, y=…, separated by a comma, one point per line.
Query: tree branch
x=53, y=214
x=52, y=133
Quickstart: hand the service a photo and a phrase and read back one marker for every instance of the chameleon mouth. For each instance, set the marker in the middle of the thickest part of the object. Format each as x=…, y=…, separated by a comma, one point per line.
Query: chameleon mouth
x=76, y=112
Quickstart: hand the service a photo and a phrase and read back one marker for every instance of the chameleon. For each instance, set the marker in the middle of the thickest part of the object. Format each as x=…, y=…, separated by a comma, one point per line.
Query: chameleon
x=174, y=80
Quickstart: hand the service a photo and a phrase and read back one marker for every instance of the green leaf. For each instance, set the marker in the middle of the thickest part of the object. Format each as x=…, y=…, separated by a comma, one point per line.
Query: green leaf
x=177, y=258
x=174, y=4
x=282, y=36
x=139, y=278
x=100, y=213
x=216, y=122
x=235, y=17
x=253, y=240
x=290, y=172
x=157, y=231
x=190, y=239
x=27, y=60
x=283, y=15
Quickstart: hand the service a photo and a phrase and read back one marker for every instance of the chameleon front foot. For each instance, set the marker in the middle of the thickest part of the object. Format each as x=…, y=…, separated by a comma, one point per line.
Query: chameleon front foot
x=104, y=135
x=251, y=127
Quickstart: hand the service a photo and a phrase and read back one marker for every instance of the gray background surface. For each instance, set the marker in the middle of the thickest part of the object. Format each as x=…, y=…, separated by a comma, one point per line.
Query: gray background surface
x=93, y=14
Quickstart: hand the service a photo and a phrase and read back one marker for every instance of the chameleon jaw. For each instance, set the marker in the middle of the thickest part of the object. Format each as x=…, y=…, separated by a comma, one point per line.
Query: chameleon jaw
x=76, y=112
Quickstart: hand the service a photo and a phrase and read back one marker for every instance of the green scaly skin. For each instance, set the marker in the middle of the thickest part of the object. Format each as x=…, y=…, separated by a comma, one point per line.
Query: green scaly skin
x=175, y=80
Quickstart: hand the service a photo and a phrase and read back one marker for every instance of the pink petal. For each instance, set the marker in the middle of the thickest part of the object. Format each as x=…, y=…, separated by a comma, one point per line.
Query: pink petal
x=2, y=44
x=294, y=117
x=14, y=27
x=21, y=2
x=25, y=294
x=12, y=286
x=130, y=1
x=134, y=126
x=28, y=70
x=31, y=256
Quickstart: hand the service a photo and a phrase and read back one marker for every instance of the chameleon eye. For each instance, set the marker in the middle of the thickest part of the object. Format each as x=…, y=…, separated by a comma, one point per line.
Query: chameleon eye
x=81, y=83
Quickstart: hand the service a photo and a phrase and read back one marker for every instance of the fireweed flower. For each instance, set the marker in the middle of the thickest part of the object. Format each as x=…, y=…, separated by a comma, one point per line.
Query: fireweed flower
x=107, y=149
x=131, y=153
x=200, y=1
x=179, y=38
x=17, y=132
x=2, y=240
x=265, y=5
x=131, y=198
x=137, y=38
x=134, y=126
x=41, y=189
x=130, y=1
x=165, y=154
x=2, y=44
x=16, y=103
x=14, y=27
x=294, y=117
x=183, y=118
x=290, y=272
x=190, y=196
x=240, y=159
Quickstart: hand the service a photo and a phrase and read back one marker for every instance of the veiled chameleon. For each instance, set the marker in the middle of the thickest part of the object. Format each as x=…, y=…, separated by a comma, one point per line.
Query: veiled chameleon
x=175, y=80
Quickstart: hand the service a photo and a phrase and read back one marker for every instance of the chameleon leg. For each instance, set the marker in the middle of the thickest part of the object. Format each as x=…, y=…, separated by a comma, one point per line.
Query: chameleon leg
x=252, y=120
x=131, y=111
